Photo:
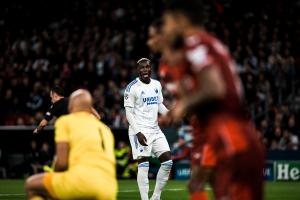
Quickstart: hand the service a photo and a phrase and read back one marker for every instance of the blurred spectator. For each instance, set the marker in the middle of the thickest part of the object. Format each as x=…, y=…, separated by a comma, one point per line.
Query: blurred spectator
x=34, y=156
x=2, y=166
x=294, y=142
x=122, y=157
x=39, y=158
x=45, y=155
x=126, y=167
x=182, y=148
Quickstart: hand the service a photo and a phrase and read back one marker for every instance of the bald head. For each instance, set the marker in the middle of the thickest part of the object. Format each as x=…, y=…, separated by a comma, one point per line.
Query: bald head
x=80, y=100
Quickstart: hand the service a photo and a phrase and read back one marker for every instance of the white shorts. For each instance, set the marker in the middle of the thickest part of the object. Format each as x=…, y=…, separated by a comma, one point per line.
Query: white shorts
x=157, y=145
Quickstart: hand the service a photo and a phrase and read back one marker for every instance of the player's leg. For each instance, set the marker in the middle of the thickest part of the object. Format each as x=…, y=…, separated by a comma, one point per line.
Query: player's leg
x=162, y=175
x=198, y=160
x=244, y=165
x=162, y=150
x=220, y=181
x=203, y=164
x=142, y=177
x=247, y=179
x=35, y=187
x=199, y=176
x=141, y=154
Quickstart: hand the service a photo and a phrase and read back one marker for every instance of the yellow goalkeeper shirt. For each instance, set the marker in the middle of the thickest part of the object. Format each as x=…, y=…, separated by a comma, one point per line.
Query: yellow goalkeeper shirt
x=91, y=142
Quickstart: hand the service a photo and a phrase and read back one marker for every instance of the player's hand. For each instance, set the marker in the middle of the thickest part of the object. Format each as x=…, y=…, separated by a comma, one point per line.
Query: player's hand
x=36, y=131
x=142, y=139
x=165, y=120
x=177, y=113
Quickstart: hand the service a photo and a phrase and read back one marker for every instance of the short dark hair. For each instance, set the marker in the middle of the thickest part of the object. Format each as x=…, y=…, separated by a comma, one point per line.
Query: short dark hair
x=192, y=9
x=143, y=60
x=157, y=24
x=58, y=90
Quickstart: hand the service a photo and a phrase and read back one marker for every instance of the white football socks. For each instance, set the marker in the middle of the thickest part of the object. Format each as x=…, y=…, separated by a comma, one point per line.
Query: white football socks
x=162, y=178
x=142, y=179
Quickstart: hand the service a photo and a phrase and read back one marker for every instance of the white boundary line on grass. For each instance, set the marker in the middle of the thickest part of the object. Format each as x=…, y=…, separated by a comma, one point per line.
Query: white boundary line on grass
x=135, y=190
x=168, y=189
x=7, y=195
x=121, y=191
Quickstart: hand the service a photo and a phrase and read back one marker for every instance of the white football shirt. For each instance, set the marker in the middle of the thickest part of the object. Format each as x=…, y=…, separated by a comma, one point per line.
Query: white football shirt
x=144, y=99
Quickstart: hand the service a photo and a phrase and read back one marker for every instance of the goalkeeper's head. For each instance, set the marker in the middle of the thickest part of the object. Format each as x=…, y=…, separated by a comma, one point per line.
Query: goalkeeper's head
x=80, y=101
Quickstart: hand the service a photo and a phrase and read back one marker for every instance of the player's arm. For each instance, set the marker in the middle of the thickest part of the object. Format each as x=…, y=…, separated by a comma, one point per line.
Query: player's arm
x=212, y=87
x=48, y=117
x=62, y=156
x=129, y=100
x=41, y=126
x=163, y=120
x=131, y=120
x=162, y=109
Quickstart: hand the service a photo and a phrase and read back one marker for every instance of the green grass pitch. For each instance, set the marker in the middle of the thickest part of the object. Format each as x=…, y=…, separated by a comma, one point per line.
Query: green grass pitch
x=175, y=190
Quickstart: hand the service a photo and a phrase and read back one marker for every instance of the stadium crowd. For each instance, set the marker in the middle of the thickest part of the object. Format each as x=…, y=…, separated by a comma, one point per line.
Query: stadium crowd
x=96, y=47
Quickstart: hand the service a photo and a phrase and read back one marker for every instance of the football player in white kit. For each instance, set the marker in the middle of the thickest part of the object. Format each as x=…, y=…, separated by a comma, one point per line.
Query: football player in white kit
x=143, y=100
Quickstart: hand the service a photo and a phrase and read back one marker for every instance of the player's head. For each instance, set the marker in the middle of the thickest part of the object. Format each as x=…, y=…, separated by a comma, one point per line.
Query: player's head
x=80, y=100
x=56, y=93
x=155, y=40
x=180, y=14
x=144, y=69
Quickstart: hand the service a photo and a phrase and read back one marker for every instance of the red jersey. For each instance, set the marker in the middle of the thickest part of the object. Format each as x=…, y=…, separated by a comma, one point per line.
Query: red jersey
x=232, y=139
x=222, y=137
x=203, y=51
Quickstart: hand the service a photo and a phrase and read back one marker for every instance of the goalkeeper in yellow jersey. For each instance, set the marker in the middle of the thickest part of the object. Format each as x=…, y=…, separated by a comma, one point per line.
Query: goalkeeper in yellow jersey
x=85, y=162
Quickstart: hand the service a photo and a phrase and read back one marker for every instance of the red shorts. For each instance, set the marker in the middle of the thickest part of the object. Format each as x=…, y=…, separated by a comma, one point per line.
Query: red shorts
x=229, y=136
x=202, y=153
x=240, y=158
x=239, y=177
x=233, y=148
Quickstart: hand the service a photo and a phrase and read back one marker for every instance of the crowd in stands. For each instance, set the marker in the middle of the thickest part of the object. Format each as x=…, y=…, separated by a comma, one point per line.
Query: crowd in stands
x=38, y=158
x=94, y=44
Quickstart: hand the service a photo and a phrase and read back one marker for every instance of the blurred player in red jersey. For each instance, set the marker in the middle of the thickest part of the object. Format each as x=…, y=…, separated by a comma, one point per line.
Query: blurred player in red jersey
x=156, y=44
x=210, y=89
x=169, y=75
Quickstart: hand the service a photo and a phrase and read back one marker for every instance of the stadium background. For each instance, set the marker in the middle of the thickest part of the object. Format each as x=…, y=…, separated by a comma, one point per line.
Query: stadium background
x=94, y=45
